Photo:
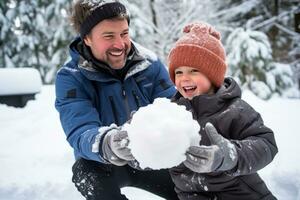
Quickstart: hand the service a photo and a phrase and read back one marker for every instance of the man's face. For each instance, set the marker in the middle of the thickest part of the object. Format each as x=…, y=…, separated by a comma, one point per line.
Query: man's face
x=110, y=42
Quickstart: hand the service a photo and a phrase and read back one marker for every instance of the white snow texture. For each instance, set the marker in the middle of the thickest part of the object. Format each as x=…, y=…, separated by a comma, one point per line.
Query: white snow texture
x=162, y=142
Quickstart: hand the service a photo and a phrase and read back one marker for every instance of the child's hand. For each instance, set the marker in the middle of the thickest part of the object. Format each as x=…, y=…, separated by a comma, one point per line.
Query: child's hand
x=220, y=156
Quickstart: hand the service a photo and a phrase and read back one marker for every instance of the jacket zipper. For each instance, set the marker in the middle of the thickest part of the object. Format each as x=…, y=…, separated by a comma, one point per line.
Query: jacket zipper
x=136, y=99
x=113, y=106
x=125, y=99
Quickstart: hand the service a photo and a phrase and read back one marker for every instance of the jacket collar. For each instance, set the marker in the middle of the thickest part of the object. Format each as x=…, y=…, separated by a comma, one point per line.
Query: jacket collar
x=206, y=105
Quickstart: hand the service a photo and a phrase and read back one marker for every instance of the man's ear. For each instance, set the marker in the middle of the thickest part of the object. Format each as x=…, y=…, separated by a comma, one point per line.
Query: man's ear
x=87, y=40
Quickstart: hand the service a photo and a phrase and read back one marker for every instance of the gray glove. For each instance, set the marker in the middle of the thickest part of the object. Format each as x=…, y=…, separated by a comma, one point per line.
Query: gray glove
x=220, y=156
x=115, y=147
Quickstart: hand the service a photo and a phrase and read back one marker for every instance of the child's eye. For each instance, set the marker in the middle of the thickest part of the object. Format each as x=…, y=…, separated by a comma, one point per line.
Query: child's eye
x=178, y=72
x=194, y=71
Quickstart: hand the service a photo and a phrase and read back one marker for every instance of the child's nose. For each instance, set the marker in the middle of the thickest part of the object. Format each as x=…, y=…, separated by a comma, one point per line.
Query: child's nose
x=185, y=77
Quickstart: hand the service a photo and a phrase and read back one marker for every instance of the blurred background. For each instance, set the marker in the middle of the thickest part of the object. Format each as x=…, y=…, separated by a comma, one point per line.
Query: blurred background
x=262, y=37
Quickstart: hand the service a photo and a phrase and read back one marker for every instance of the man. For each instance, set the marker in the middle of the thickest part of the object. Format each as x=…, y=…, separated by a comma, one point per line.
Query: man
x=108, y=78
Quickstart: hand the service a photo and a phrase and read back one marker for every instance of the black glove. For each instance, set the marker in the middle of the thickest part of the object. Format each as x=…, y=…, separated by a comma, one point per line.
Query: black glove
x=115, y=147
x=220, y=156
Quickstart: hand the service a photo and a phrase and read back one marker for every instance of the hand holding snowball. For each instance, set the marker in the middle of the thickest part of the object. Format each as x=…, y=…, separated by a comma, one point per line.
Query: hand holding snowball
x=115, y=147
x=220, y=156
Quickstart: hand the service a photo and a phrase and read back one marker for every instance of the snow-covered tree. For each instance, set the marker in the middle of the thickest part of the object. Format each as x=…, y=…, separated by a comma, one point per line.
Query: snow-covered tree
x=38, y=35
x=7, y=26
x=251, y=63
x=271, y=17
x=157, y=24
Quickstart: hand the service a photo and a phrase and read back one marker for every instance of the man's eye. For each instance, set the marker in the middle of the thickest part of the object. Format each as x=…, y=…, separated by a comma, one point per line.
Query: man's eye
x=108, y=37
x=124, y=34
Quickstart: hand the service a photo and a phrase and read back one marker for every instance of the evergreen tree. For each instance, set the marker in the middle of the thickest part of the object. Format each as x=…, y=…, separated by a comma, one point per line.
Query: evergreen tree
x=251, y=63
x=271, y=18
x=38, y=35
x=7, y=39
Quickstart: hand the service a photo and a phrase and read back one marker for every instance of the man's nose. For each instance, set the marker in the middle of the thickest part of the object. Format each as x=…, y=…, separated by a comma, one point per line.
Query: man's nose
x=119, y=43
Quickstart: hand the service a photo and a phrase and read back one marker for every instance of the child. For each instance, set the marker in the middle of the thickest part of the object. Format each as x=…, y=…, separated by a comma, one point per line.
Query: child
x=235, y=143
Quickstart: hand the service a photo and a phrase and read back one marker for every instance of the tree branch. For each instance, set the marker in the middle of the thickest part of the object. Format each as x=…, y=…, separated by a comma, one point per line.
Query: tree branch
x=272, y=20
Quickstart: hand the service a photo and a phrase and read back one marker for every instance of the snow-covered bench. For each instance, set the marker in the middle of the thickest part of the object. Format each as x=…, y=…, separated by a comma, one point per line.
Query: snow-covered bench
x=18, y=85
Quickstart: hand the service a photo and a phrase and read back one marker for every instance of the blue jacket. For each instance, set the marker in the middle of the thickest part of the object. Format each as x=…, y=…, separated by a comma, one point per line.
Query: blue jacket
x=89, y=100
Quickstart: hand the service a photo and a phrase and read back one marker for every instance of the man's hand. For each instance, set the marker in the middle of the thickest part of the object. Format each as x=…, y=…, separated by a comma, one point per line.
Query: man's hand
x=115, y=147
x=220, y=156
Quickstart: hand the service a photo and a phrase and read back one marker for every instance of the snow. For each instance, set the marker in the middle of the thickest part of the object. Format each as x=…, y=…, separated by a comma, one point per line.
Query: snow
x=19, y=81
x=36, y=160
x=248, y=45
x=261, y=89
x=159, y=142
x=250, y=62
x=240, y=9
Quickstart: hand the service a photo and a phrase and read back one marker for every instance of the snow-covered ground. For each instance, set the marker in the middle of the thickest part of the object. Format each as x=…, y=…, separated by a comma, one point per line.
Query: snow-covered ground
x=36, y=160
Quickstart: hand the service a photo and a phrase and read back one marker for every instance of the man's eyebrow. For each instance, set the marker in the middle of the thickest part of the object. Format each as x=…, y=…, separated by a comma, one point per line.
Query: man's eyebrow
x=108, y=33
x=111, y=32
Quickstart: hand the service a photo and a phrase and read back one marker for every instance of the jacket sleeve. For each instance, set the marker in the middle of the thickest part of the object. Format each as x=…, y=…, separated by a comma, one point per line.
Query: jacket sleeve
x=163, y=86
x=79, y=118
x=255, y=143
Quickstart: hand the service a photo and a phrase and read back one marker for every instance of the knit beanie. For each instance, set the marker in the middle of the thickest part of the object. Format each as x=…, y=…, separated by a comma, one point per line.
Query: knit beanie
x=200, y=47
x=101, y=10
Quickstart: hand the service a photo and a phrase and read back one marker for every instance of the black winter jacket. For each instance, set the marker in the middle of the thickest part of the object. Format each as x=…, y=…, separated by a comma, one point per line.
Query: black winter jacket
x=237, y=121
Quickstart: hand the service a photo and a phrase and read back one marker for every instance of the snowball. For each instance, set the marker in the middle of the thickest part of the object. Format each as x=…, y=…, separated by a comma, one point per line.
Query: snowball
x=160, y=134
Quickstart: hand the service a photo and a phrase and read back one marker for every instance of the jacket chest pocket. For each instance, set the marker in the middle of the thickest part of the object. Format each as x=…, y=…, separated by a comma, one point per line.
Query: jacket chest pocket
x=142, y=90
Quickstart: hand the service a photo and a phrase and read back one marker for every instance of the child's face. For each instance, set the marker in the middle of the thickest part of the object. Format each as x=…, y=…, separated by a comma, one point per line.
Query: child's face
x=190, y=82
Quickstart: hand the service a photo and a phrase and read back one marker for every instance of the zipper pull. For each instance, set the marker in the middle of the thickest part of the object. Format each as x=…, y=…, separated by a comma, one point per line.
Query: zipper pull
x=123, y=92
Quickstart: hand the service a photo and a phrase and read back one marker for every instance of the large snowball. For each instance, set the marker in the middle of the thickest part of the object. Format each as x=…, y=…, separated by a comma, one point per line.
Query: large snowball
x=160, y=134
